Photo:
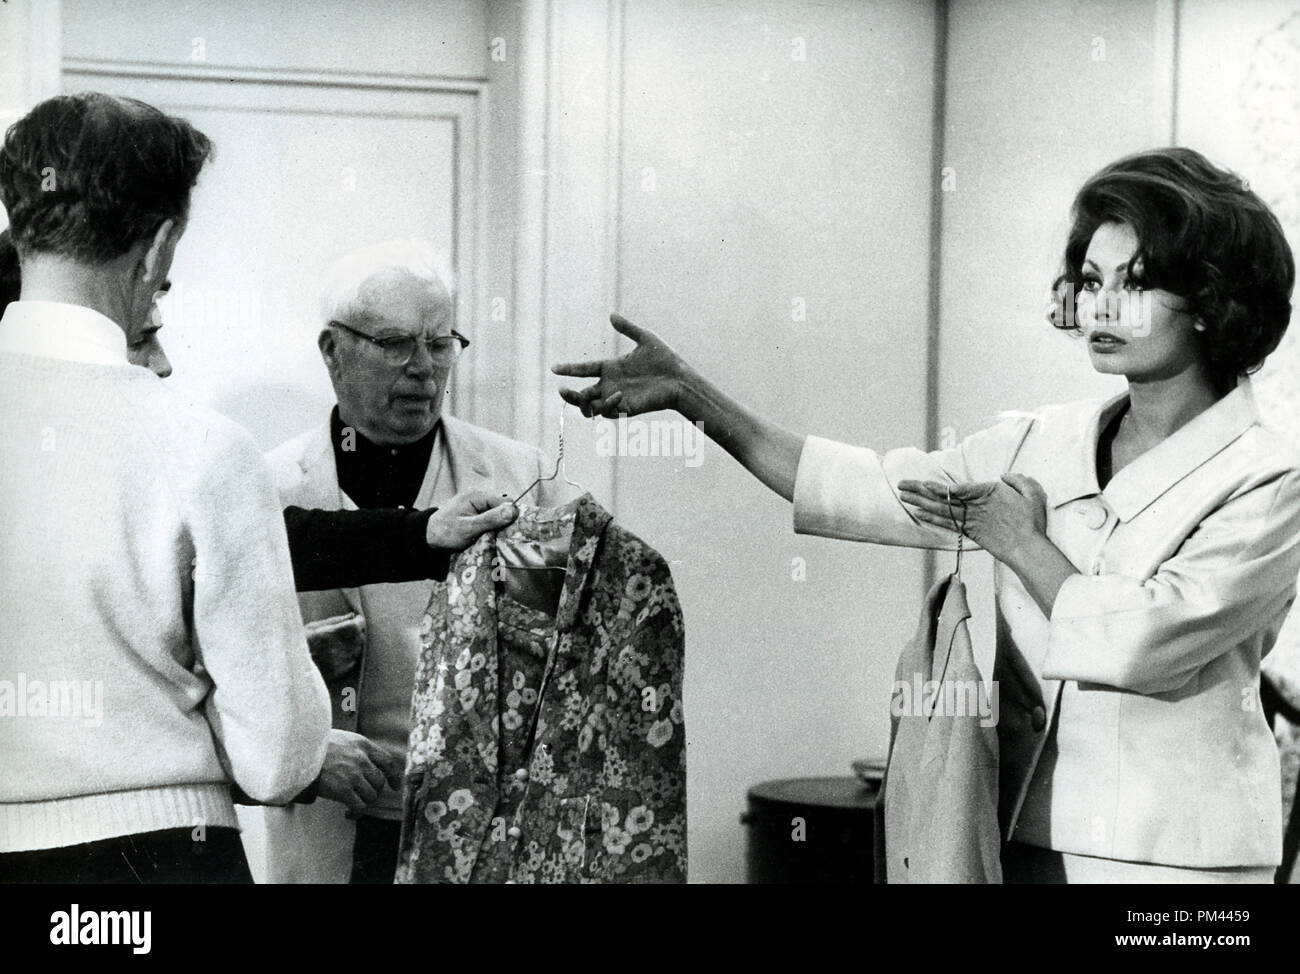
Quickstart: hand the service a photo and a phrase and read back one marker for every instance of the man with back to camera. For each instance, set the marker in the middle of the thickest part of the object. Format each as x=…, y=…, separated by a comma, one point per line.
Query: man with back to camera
x=147, y=605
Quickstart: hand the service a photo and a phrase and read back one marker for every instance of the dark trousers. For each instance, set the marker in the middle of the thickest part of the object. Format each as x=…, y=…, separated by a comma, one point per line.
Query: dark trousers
x=374, y=855
x=169, y=856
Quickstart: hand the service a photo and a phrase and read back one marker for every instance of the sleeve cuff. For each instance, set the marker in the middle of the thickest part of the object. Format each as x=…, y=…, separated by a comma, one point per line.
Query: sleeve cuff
x=843, y=491
x=305, y=797
x=436, y=561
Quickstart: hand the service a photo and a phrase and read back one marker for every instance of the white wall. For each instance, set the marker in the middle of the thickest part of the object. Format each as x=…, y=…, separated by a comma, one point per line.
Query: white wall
x=776, y=179
x=332, y=130
x=1039, y=95
x=1239, y=102
x=30, y=46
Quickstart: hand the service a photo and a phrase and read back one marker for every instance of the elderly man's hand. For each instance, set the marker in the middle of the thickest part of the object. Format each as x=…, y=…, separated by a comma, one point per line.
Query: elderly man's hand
x=466, y=516
x=647, y=378
x=356, y=770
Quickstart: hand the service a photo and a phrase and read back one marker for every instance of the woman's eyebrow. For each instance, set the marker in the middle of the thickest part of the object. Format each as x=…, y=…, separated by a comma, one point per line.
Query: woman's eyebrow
x=1123, y=266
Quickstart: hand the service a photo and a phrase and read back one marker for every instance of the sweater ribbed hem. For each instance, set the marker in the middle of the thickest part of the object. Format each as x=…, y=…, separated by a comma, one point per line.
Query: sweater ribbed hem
x=59, y=822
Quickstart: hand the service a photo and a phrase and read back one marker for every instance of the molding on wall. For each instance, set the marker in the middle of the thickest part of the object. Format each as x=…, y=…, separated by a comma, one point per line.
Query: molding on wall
x=283, y=76
x=1164, y=87
x=474, y=308
x=534, y=168
x=465, y=108
x=615, y=93
x=44, y=49
x=33, y=75
x=934, y=334
x=566, y=248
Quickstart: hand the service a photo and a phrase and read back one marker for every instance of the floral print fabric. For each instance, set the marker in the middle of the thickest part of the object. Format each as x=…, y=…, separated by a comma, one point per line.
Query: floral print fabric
x=550, y=749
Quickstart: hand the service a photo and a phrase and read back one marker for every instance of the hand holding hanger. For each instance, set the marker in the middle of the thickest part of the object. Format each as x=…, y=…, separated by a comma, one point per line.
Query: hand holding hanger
x=457, y=524
x=557, y=472
x=999, y=515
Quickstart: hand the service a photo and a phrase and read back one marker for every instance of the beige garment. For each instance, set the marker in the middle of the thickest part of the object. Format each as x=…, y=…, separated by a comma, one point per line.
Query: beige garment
x=941, y=786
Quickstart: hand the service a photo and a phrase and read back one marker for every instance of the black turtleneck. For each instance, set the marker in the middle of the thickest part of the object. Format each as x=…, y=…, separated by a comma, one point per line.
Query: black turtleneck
x=374, y=475
x=379, y=543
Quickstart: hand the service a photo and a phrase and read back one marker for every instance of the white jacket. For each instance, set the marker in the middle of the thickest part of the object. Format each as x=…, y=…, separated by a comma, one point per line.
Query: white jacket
x=1130, y=723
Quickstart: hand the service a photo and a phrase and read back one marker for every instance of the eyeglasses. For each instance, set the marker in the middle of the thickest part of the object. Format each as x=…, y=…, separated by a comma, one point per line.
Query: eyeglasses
x=398, y=349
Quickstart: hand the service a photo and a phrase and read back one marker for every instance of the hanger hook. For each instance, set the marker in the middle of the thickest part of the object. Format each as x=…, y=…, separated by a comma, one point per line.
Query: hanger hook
x=959, y=527
x=559, y=466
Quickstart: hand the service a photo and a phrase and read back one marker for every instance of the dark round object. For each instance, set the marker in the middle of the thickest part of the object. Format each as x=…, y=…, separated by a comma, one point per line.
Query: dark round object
x=811, y=831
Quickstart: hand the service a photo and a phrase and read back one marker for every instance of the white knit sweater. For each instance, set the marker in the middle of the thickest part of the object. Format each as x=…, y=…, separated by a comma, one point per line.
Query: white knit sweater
x=151, y=648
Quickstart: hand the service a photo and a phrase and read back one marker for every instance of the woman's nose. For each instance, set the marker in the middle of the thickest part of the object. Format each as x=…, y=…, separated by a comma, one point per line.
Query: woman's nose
x=1106, y=309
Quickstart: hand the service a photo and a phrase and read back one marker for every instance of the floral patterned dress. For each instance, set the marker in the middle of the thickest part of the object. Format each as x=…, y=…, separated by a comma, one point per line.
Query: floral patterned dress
x=550, y=749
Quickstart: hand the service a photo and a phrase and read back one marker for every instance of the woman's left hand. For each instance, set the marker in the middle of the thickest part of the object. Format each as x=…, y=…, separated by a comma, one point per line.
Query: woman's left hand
x=1000, y=515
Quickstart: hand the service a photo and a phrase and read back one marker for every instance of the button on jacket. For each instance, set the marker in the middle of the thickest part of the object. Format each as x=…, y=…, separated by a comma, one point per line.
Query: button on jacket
x=1130, y=725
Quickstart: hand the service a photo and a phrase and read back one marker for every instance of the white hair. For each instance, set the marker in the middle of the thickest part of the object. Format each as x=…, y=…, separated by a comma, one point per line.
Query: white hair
x=341, y=293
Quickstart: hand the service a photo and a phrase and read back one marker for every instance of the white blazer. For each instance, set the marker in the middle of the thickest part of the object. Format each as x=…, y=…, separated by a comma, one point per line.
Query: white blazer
x=1130, y=723
x=313, y=843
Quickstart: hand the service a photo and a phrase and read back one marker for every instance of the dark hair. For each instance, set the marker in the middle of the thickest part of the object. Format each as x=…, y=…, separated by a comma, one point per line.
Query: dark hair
x=1202, y=235
x=10, y=281
x=87, y=176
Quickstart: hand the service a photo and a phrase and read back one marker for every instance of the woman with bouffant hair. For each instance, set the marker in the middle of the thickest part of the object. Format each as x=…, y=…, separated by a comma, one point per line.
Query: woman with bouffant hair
x=1206, y=238
x=1146, y=547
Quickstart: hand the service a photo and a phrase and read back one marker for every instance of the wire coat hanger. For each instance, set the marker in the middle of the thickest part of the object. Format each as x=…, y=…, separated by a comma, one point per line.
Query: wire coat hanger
x=959, y=527
x=559, y=467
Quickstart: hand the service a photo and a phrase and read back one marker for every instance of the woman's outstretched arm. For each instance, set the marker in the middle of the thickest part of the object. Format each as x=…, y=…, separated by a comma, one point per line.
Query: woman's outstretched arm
x=653, y=376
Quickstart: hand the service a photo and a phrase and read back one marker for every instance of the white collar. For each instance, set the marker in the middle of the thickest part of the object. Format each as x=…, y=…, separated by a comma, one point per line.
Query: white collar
x=1074, y=471
x=71, y=332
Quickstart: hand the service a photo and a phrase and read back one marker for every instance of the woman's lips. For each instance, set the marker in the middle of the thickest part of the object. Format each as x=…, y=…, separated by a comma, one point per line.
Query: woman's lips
x=1104, y=342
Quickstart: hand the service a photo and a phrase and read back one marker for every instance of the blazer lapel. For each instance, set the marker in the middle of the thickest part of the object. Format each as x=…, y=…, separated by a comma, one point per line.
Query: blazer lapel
x=1073, y=471
x=1135, y=487
x=464, y=467
x=319, y=488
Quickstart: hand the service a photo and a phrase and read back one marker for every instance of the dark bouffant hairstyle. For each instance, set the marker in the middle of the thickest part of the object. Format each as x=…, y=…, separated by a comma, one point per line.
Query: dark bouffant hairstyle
x=1202, y=235
x=87, y=176
x=10, y=280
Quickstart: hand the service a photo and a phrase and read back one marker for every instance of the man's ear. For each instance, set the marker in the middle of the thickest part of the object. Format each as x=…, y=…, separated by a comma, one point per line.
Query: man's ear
x=157, y=258
x=328, y=344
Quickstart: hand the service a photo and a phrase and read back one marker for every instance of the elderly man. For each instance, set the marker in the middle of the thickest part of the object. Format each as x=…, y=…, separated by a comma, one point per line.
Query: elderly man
x=390, y=349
